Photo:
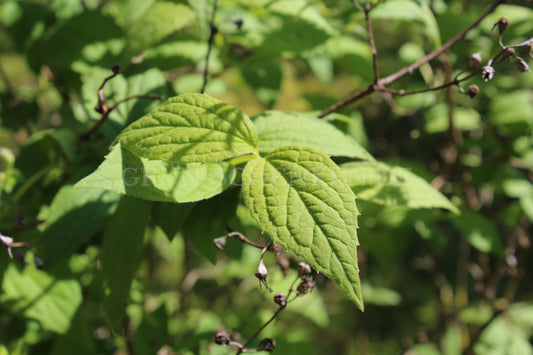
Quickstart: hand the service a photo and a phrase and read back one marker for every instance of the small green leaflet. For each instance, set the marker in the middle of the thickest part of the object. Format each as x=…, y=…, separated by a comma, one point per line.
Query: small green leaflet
x=392, y=185
x=277, y=129
x=156, y=180
x=299, y=197
x=191, y=128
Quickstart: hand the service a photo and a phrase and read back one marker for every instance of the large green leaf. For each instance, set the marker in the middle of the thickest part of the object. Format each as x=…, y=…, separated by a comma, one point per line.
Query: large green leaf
x=38, y=295
x=502, y=337
x=156, y=180
x=277, y=129
x=191, y=128
x=89, y=208
x=299, y=197
x=392, y=185
x=121, y=251
x=162, y=19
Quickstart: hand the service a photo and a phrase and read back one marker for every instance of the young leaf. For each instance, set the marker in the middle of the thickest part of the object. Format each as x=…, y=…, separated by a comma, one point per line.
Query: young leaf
x=299, y=197
x=162, y=19
x=392, y=185
x=156, y=180
x=38, y=295
x=90, y=209
x=121, y=250
x=277, y=129
x=191, y=128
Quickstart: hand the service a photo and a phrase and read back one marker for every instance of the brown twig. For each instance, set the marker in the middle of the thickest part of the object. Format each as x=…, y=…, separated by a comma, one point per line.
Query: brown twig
x=380, y=84
x=213, y=30
x=104, y=109
x=242, y=349
x=21, y=228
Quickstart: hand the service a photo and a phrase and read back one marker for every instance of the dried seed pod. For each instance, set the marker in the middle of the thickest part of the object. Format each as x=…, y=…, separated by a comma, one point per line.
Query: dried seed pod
x=305, y=286
x=502, y=24
x=222, y=338
x=262, y=274
x=38, y=262
x=472, y=91
x=213, y=28
x=303, y=269
x=220, y=242
x=280, y=299
x=238, y=22
x=487, y=73
x=267, y=344
x=508, y=52
x=474, y=60
x=116, y=69
x=522, y=65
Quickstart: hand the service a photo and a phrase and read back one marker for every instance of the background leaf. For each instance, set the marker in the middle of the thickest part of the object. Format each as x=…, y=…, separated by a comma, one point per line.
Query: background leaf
x=90, y=208
x=391, y=185
x=277, y=129
x=300, y=199
x=38, y=295
x=121, y=251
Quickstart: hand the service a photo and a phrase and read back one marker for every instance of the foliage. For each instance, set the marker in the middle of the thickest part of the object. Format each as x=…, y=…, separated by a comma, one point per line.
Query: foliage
x=140, y=136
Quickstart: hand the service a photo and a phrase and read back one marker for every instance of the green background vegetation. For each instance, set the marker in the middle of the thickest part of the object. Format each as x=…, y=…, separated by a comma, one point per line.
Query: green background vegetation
x=433, y=281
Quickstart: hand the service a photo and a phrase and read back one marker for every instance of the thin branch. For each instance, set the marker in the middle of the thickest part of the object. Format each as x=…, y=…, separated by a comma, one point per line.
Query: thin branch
x=371, y=41
x=380, y=84
x=241, y=350
x=213, y=30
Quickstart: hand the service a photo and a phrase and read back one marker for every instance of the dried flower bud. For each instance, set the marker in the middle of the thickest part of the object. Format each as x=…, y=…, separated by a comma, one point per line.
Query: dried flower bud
x=487, y=73
x=39, y=264
x=262, y=274
x=116, y=69
x=267, y=344
x=474, y=60
x=522, y=65
x=303, y=269
x=472, y=91
x=222, y=338
x=20, y=257
x=502, y=24
x=305, y=286
x=238, y=22
x=220, y=242
x=7, y=242
x=280, y=299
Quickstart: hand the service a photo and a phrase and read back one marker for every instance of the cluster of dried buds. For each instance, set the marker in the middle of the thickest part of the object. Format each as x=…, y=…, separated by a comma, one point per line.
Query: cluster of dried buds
x=488, y=71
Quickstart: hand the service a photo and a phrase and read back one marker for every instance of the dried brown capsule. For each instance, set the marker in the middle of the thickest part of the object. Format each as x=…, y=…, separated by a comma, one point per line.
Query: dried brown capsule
x=474, y=60
x=502, y=24
x=305, y=286
x=116, y=69
x=220, y=242
x=267, y=344
x=472, y=91
x=222, y=338
x=522, y=65
x=303, y=269
x=280, y=299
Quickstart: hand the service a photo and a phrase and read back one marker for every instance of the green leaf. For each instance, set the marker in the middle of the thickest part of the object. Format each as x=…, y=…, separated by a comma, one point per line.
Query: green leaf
x=191, y=128
x=501, y=337
x=437, y=120
x=121, y=251
x=171, y=216
x=277, y=129
x=162, y=19
x=90, y=209
x=512, y=112
x=156, y=180
x=209, y=220
x=78, y=38
x=480, y=231
x=392, y=185
x=408, y=10
x=299, y=197
x=380, y=296
x=265, y=78
x=38, y=295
